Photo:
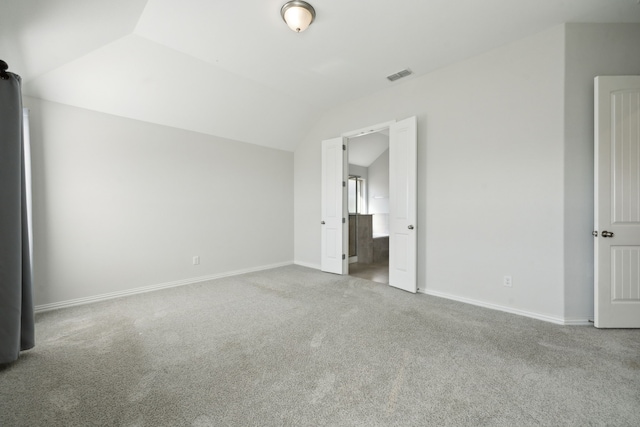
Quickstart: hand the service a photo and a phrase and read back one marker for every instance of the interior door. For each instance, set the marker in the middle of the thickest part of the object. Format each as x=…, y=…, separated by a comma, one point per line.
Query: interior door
x=334, y=239
x=403, y=170
x=617, y=202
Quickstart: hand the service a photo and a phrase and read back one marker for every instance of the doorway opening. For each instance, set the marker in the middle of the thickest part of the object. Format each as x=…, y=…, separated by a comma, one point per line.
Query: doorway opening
x=402, y=201
x=368, y=202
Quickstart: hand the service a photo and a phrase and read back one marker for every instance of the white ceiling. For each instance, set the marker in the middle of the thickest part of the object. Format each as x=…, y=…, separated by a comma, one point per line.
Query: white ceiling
x=364, y=150
x=234, y=69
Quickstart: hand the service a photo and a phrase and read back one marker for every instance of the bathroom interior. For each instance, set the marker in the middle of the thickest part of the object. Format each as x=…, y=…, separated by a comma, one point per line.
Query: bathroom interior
x=368, y=189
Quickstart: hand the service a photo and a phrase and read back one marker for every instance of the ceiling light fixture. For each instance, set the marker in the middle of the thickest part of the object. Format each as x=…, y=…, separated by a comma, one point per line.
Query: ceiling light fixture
x=298, y=15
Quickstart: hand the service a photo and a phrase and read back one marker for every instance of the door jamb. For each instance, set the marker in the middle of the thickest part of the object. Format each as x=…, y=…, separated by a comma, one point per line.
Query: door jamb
x=368, y=129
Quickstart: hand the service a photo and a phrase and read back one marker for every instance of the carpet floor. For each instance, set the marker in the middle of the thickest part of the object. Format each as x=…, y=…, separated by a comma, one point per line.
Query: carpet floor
x=376, y=272
x=296, y=347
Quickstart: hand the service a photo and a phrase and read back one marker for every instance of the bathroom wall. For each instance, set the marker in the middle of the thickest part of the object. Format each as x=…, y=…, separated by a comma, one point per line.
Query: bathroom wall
x=378, y=194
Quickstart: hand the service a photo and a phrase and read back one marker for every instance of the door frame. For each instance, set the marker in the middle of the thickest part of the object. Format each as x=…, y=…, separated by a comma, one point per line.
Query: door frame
x=361, y=132
x=369, y=129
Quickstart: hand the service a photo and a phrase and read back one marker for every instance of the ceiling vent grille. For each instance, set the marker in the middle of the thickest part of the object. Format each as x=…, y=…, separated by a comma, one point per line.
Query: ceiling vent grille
x=399, y=75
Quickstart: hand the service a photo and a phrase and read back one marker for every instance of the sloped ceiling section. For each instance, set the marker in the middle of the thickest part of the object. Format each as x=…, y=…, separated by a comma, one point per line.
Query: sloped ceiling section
x=140, y=79
x=364, y=150
x=37, y=36
x=233, y=69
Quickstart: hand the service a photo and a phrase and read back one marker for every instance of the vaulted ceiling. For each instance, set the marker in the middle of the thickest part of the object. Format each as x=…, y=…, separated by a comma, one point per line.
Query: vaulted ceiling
x=233, y=69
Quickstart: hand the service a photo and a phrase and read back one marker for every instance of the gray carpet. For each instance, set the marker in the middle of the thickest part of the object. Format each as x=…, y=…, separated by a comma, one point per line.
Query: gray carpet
x=293, y=346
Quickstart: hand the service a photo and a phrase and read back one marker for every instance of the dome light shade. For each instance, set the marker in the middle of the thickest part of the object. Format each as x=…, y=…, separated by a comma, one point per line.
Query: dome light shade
x=298, y=15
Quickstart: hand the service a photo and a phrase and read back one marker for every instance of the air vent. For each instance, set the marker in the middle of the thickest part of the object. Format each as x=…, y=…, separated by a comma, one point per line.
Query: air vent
x=399, y=75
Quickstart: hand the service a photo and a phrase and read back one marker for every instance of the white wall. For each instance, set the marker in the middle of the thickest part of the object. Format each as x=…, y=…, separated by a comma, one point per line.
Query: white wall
x=360, y=171
x=363, y=173
x=379, y=193
x=121, y=204
x=491, y=171
x=591, y=50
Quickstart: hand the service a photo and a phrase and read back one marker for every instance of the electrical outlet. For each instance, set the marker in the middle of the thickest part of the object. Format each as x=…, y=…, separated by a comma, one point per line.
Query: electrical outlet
x=506, y=281
x=196, y=260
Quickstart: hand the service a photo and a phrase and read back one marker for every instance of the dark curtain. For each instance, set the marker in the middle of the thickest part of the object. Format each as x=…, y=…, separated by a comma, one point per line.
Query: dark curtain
x=16, y=301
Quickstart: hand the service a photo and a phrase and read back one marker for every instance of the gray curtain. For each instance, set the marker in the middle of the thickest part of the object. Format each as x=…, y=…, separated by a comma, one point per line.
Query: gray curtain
x=16, y=301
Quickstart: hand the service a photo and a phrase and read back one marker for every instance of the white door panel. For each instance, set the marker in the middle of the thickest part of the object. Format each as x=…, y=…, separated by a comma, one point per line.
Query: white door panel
x=334, y=238
x=617, y=202
x=403, y=165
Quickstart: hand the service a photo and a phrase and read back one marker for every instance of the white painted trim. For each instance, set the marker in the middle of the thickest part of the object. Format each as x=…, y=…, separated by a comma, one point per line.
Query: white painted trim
x=368, y=129
x=578, y=322
x=530, y=314
x=111, y=295
x=307, y=264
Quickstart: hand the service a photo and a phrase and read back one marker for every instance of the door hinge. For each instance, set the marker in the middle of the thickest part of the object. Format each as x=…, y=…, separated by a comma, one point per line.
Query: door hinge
x=344, y=147
x=344, y=256
x=344, y=220
x=344, y=184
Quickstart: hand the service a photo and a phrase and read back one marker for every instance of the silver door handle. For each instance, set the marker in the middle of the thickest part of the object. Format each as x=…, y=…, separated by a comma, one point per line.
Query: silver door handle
x=606, y=233
x=410, y=227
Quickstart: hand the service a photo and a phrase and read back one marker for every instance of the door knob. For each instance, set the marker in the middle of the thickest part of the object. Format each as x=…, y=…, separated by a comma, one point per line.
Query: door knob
x=607, y=233
x=410, y=227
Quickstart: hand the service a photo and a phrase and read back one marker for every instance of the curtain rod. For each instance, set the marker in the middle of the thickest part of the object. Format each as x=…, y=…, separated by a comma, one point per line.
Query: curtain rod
x=3, y=70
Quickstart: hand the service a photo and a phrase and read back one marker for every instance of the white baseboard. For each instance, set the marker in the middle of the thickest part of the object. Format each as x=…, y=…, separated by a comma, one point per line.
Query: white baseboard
x=578, y=322
x=538, y=316
x=307, y=264
x=144, y=289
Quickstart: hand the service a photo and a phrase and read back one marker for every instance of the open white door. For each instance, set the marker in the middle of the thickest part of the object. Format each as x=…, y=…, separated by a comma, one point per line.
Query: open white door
x=403, y=173
x=617, y=202
x=334, y=204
